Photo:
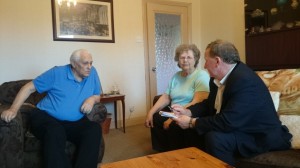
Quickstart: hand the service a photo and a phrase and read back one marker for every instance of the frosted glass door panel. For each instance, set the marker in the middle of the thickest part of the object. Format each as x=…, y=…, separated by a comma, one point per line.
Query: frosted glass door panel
x=167, y=38
x=167, y=27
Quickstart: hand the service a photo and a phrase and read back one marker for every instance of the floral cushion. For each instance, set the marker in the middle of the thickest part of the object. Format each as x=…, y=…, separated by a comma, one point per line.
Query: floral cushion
x=287, y=82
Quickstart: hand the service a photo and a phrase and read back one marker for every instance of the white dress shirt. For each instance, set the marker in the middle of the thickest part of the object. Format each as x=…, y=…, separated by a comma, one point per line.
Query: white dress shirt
x=221, y=87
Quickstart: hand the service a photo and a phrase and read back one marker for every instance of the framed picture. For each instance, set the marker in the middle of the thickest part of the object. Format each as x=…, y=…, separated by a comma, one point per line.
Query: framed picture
x=83, y=20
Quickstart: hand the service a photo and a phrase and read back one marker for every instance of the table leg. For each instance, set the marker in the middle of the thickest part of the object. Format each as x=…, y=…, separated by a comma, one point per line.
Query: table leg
x=123, y=110
x=115, y=111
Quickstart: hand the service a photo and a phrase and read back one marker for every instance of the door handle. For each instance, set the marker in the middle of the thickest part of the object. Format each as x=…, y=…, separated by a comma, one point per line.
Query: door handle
x=153, y=69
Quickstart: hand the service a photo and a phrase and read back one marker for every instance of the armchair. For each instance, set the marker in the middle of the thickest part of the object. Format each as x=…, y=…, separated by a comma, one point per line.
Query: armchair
x=18, y=147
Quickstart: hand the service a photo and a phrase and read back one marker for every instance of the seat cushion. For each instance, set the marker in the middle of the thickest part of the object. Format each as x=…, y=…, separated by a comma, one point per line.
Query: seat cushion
x=276, y=159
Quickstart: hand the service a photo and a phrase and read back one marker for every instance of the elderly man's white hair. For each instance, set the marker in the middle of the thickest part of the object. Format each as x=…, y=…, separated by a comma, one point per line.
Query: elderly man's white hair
x=75, y=56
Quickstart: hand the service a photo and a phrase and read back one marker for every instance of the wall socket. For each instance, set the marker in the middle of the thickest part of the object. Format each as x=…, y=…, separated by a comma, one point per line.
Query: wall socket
x=131, y=109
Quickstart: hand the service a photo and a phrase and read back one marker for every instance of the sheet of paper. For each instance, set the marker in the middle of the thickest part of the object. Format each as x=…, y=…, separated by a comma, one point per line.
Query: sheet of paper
x=167, y=114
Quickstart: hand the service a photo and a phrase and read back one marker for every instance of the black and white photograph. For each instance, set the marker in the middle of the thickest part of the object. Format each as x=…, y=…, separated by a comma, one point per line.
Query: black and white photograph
x=75, y=20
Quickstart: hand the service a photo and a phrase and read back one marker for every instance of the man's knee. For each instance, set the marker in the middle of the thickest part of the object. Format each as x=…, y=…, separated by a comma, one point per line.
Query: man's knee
x=221, y=145
x=219, y=141
x=213, y=139
x=93, y=129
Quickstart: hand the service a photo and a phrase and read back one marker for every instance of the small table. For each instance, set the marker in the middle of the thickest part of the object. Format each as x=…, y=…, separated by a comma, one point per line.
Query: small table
x=115, y=98
x=183, y=158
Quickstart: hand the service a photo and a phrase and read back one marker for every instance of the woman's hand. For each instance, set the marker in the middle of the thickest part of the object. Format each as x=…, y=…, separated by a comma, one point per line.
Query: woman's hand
x=167, y=123
x=149, y=121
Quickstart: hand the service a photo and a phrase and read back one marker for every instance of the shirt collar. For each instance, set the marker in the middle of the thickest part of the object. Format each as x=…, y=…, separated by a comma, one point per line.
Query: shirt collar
x=223, y=80
x=70, y=73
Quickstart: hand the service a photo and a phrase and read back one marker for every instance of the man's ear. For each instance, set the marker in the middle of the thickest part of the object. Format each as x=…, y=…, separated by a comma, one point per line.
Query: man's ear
x=218, y=60
x=73, y=65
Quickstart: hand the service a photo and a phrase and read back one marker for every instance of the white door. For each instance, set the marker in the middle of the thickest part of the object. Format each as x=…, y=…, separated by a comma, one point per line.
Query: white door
x=166, y=27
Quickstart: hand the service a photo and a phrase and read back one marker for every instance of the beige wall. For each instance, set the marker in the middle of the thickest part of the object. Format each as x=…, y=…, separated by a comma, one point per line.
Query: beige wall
x=27, y=48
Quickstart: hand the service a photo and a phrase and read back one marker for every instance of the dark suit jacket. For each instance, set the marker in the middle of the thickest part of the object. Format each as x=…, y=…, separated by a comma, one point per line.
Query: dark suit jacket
x=247, y=111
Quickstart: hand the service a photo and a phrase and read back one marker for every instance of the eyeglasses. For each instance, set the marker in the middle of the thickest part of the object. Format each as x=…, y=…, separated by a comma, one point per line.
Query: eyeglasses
x=188, y=58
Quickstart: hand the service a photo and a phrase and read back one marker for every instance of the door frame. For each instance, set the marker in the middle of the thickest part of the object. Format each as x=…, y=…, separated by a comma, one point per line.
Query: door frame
x=146, y=39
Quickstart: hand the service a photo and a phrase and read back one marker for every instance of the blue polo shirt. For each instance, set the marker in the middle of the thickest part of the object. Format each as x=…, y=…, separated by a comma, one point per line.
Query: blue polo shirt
x=65, y=95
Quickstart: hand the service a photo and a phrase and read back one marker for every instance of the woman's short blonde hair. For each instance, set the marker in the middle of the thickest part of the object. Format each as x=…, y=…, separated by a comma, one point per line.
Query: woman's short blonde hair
x=186, y=47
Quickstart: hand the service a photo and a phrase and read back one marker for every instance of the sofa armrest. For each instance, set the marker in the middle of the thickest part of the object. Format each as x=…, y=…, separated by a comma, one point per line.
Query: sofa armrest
x=98, y=113
x=11, y=140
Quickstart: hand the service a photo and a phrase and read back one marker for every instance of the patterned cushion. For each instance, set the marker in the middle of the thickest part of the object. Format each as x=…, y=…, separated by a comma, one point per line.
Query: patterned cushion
x=287, y=82
x=293, y=123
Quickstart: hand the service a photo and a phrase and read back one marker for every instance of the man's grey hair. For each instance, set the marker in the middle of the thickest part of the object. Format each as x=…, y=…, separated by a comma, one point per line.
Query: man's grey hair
x=75, y=56
x=225, y=50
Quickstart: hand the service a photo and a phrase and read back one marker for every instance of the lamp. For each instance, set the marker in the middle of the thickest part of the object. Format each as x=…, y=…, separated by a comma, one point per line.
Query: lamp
x=67, y=2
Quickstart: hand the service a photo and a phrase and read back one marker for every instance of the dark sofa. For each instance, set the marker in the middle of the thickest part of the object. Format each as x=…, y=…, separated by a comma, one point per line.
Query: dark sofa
x=18, y=147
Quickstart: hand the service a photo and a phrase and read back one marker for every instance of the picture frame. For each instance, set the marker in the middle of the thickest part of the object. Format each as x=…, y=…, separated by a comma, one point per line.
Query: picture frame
x=85, y=21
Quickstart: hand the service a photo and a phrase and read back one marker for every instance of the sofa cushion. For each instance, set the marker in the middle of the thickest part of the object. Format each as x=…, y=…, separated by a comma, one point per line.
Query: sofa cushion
x=275, y=159
x=287, y=82
x=276, y=99
x=293, y=124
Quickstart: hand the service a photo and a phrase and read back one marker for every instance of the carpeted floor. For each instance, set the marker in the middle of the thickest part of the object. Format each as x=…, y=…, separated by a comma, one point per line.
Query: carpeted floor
x=119, y=146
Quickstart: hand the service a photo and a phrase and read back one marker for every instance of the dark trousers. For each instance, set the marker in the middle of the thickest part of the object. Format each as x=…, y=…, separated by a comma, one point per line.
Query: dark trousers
x=220, y=145
x=172, y=138
x=85, y=134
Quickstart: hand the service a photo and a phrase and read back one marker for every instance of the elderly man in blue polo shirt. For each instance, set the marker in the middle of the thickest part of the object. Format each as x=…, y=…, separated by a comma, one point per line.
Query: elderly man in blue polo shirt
x=72, y=90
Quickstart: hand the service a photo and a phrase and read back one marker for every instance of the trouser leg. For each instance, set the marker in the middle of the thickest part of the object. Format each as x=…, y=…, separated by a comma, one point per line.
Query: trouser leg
x=159, y=137
x=222, y=146
x=193, y=139
x=53, y=138
x=176, y=137
x=87, y=136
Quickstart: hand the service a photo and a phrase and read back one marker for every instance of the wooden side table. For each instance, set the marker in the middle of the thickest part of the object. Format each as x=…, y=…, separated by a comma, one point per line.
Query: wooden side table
x=115, y=99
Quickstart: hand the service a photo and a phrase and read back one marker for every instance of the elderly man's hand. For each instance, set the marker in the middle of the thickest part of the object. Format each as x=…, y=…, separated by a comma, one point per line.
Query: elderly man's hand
x=87, y=105
x=8, y=115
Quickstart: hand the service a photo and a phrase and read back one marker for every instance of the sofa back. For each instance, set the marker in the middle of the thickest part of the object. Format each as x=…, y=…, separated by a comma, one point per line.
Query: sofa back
x=287, y=83
x=9, y=90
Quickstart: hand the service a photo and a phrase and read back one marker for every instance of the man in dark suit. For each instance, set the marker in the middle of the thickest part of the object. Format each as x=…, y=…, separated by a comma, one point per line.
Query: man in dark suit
x=238, y=118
